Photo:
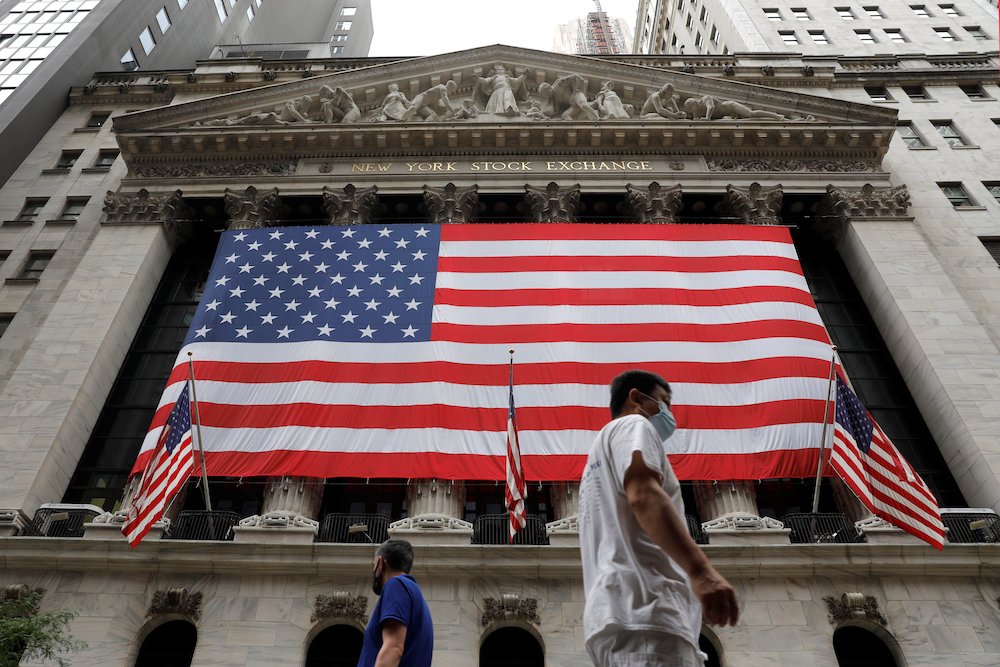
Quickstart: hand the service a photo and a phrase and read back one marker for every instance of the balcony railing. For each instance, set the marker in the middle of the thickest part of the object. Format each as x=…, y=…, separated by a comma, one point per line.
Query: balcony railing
x=354, y=528
x=60, y=520
x=495, y=529
x=697, y=534
x=970, y=526
x=203, y=525
x=833, y=528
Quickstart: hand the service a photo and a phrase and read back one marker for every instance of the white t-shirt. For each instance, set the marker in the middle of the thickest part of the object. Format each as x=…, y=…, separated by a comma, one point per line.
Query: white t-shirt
x=628, y=581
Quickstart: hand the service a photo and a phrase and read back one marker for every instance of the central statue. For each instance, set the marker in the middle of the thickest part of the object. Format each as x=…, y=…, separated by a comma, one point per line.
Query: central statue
x=500, y=92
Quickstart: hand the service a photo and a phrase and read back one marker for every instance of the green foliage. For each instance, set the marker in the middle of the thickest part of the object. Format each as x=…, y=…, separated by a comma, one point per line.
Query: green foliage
x=26, y=633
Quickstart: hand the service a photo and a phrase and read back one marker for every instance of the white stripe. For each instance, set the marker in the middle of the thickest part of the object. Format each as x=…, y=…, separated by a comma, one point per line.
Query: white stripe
x=493, y=316
x=723, y=249
x=623, y=280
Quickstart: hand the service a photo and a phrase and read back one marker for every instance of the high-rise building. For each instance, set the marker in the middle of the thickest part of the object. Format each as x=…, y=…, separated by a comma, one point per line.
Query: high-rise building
x=595, y=34
x=46, y=46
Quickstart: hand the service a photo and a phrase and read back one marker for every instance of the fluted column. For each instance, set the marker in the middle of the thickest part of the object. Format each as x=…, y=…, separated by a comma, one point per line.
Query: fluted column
x=451, y=204
x=251, y=208
x=350, y=206
x=553, y=203
x=435, y=509
x=730, y=516
x=565, y=527
x=654, y=204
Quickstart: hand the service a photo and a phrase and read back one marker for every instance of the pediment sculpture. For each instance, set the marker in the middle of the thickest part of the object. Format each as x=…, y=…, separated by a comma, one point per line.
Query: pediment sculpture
x=499, y=92
x=329, y=105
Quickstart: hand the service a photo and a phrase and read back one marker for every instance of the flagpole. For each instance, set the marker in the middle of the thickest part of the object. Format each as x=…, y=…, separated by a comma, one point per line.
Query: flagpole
x=826, y=419
x=197, y=423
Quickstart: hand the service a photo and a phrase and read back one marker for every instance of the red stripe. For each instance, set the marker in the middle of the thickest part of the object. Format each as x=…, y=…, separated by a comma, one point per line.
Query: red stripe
x=560, y=233
x=611, y=296
x=628, y=333
x=489, y=419
x=496, y=375
x=617, y=263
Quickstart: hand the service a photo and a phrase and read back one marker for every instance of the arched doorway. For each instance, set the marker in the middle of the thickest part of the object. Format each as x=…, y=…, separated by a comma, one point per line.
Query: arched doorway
x=336, y=646
x=168, y=645
x=856, y=646
x=511, y=647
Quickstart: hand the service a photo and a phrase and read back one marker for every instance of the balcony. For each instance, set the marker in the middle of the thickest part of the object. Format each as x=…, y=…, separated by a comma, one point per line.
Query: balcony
x=346, y=528
x=971, y=525
x=60, y=520
x=203, y=525
x=697, y=534
x=829, y=528
x=495, y=529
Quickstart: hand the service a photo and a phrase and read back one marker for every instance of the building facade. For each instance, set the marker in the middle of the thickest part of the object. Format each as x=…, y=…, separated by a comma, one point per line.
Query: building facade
x=104, y=266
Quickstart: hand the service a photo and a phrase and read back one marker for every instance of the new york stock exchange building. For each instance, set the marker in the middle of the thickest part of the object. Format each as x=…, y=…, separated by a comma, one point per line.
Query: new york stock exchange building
x=125, y=241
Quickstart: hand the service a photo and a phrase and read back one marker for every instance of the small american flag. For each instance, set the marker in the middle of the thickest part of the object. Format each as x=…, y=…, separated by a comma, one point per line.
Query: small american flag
x=870, y=464
x=166, y=472
x=516, y=488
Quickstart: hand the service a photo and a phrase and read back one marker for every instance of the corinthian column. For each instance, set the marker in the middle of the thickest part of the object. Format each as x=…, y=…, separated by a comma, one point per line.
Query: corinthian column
x=730, y=515
x=434, y=509
x=755, y=205
x=565, y=529
x=350, y=206
x=250, y=209
x=451, y=204
x=553, y=203
x=654, y=204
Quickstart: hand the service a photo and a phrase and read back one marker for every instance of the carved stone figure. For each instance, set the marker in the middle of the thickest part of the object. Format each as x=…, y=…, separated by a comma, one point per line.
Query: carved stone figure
x=707, y=107
x=351, y=206
x=341, y=605
x=176, y=601
x=467, y=111
x=499, y=93
x=292, y=111
x=568, y=98
x=535, y=112
x=755, y=205
x=333, y=105
x=662, y=104
x=609, y=105
x=250, y=209
x=552, y=203
x=853, y=607
x=338, y=106
x=433, y=103
x=510, y=607
x=451, y=204
x=394, y=105
x=655, y=204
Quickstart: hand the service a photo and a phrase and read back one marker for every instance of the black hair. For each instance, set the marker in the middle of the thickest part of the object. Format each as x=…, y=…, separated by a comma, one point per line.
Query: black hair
x=644, y=381
x=398, y=554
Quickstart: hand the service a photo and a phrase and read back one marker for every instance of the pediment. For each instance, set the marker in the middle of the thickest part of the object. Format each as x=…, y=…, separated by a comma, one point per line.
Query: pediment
x=506, y=97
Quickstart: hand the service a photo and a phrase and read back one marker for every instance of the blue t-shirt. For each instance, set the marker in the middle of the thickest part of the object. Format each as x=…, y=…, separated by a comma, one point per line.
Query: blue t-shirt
x=402, y=601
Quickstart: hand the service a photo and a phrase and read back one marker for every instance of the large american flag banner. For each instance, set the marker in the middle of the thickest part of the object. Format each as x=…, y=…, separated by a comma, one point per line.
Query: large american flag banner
x=380, y=351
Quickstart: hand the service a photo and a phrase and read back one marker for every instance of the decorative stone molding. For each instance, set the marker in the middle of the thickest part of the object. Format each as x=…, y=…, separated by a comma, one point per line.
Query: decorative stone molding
x=430, y=521
x=451, y=204
x=654, y=204
x=175, y=601
x=510, y=607
x=767, y=70
x=197, y=170
x=350, y=206
x=192, y=77
x=18, y=592
x=279, y=519
x=755, y=205
x=553, y=203
x=782, y=165
x=869, y=201
x=250, y=209
x=742, y=521
x=729, y=69
x=111, y=518
x=808, y=70
x=12, y=521
x=853, y=607
x=341, y=605
x=570, y=524
x=140, y=207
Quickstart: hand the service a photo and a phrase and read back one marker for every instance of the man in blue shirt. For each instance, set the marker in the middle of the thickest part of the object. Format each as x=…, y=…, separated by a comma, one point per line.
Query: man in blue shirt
x=400, y=632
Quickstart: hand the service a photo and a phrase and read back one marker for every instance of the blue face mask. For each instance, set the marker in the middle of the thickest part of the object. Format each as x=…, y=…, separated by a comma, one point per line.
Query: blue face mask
x=663, y=421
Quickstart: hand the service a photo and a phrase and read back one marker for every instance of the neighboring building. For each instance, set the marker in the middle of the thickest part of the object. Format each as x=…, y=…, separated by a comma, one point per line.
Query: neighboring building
x=46, y=46
x=894, y=227
x=595, y=34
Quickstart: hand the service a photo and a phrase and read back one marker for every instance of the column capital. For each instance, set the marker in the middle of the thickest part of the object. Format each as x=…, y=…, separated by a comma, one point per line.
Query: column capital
x=654, y=204
x=168, y=209
x=350, y=206
x=869, y=201
x=553, y=203
x=755, y=205
x=451, y=203
x=250, y=208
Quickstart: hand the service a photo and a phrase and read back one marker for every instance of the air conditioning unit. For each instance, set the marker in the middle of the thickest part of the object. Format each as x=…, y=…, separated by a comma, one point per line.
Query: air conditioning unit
x=61, y=520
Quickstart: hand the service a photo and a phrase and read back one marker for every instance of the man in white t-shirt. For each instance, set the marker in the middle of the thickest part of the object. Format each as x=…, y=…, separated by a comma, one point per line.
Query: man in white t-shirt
x=645, y=581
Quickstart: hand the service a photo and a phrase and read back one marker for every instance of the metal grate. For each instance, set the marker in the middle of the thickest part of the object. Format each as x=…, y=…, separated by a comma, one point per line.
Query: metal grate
x=203, y=525
x=971, y=526
x=60, y=521
x=827, y=528
x=495, y=529
x=367, y=528
x=697, y=534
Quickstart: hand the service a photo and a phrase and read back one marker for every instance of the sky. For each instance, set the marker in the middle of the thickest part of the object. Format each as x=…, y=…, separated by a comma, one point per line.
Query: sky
x=429, y=27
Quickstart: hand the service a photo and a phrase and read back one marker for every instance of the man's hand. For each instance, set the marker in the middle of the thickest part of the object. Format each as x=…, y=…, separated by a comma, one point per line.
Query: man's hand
x=718, y=599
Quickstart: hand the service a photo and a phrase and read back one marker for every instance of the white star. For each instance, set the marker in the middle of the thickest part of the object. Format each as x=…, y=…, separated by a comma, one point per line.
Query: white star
x=409, y=331
x=308, y=317
x=202, y=332
x=254, y=246
x=422, y=232
x=325, y=330
x=240, y=236
x=311, y=234
x=299, y=280
x=292, y=305
x=269, y=257
x=237, y=292
x=381, y=254
x=231, y=259
x=348, y=233
x=354, y=291
x=306, y=256
x=420, y=254
x=402, y=243
x=276, y=293
x=337, y=279
x=398, y=267
x=253, y=305
x=327, y=245
x=360, y=266
x=367, y=331
x=376, y=279
x=390, y=318
x=283, y=268
x=245, y=268
x=343, y=255
x=416, y=279
x=267, y=319
x=332, y=303
x=291, y=245
x=364, y=243
x=228, y=317
x=275, y=235
x=322, y=267
x=213, y=305
x=221, y=282
x=349, y=317
x=412, y=304
x=244, y=332
x=372, y=304
x=384, y=232
x=394, y=291
x=315, y=292
x=283, y=332
x=260, y=280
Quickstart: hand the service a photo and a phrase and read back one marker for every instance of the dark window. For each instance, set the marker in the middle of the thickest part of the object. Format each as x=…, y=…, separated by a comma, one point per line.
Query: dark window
x=920, y=10
x=857, y=647
x=976, y=32
x=878, y=93
x=98, y=118
x=510, y=646
x=105, y=158
x=36, y=263
x=488, y=498
x=31, y=208
x=950, y=133
x=336, y=646
x=5, y=320
x=865, y=36
x=949, y=10
x=4, y=254
x=974, y=92
x=945, y=34
x=873, y=12
x=73, y=208
x=916, y=92
x=956, y=194
x=169, y=645
x=993, y=246
x=994, y=189
x=67, y=159
x=910, y=136
x=845, y=13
